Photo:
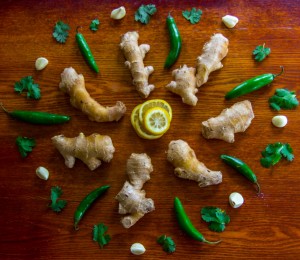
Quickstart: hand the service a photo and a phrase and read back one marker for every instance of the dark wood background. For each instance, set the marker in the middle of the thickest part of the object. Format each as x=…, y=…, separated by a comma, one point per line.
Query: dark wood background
x=265, y=227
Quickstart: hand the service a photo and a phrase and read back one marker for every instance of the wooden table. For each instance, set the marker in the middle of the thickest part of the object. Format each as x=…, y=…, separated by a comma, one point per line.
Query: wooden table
x=265, y=227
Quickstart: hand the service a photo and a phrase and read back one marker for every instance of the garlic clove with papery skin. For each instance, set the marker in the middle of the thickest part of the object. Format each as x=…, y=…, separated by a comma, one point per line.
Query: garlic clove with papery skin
x=236, y=200
x=230, y=21
x=137, y=249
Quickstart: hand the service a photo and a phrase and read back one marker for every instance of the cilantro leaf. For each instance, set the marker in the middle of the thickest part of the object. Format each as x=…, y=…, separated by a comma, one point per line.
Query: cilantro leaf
x=144, y=12
x=167, y=243
x=260, y=52
x=94, y=25
x=57, y=204
x=193, y=16
x=284, y=99
x=100, y=236
x=25, y=145
x=273, y=153
x=216, y=217
x=61, y=32
x=27, y=84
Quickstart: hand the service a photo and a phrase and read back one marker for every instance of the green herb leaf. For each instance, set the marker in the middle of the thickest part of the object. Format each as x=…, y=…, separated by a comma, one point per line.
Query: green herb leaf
x=94, y=25
x=260, y=52
x=57, y=204
x=216, y=217
x=193, y=16
x=274, y=153
x=144, y=12
x=100, y=236
x=25, y=145
x=27, y=84
x=283, y=98
x=167, y=243
x=61, y=32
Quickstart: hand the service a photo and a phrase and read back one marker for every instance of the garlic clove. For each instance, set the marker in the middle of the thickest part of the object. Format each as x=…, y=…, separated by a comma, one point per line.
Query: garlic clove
x=279, y=121
x=118, y=13
x=41, y=63
x=230, y=21
x=42, y=173
x=137, y=249
x=236, y=200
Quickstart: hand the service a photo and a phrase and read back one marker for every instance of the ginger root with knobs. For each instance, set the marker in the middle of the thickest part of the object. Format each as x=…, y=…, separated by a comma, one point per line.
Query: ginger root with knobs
x=235, y=119
x=210, y=60
x=74, y=85
x=184, y=85
x=134, y=55
x=132, y=200
x=187, y=166
x=91, y=149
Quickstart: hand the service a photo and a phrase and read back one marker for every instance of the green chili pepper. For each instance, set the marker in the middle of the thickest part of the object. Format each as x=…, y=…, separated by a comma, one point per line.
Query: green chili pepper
x=252, y=84
x=86, y=203
x=86, y=52
x=186, y=225
x=242, y=168
x=175, y=41
x=38, y=118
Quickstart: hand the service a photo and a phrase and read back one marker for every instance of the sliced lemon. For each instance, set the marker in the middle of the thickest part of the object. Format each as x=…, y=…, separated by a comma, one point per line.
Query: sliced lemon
x=156, y=121
x=154, y=103
x=141, y=132
x=135, y=115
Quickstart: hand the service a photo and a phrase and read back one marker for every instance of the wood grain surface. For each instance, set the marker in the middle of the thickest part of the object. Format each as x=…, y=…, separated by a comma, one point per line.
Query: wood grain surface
x=265, y=227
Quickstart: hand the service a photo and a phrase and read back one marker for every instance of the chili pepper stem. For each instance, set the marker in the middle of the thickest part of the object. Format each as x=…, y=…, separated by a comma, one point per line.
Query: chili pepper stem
x=3, y=108
x=258, y=187
x=209, y=242
x=282, y=70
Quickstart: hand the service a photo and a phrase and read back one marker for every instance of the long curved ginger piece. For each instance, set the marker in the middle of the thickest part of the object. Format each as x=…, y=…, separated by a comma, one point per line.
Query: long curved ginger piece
x=210, y=60
x=184, y=85
x=232, y=120
x=132, y=200
x=91, y=149
x=134, y=55
x=73, y=84
x=187, y=166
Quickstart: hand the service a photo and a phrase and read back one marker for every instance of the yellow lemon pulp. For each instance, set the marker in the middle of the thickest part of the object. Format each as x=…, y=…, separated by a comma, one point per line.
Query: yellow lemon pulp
x=156, y=121
x=154, y=103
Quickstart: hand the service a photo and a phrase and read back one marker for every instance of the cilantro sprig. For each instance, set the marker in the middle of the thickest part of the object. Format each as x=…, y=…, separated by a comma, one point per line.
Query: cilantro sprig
x=27, y=84
x=283, y=98
x=261, y=52
x=94, y=25
x=193, y=16
x=57, y=204
x=216, y=217
x=144, y=13
x=25, y=145
x=100, y=236
x=61, y=32
x=167, y=243
x=275, y=152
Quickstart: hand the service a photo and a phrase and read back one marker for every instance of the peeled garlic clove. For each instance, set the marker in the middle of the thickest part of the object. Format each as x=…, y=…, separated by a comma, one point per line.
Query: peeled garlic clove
x=230, y=21
x=41, y=63
x=137, y=249
x=279, y=121
x=42, y=173
x=236, y=200
x=118, y=13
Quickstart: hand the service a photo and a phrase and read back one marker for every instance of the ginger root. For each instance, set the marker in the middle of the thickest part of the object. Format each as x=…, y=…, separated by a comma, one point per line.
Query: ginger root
x=232, y=120
x=131, y=198
x=91, y=150
x=73, y=84
x=184, y=85
x=187, y=166
x=135, y=55
x=210, y=60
